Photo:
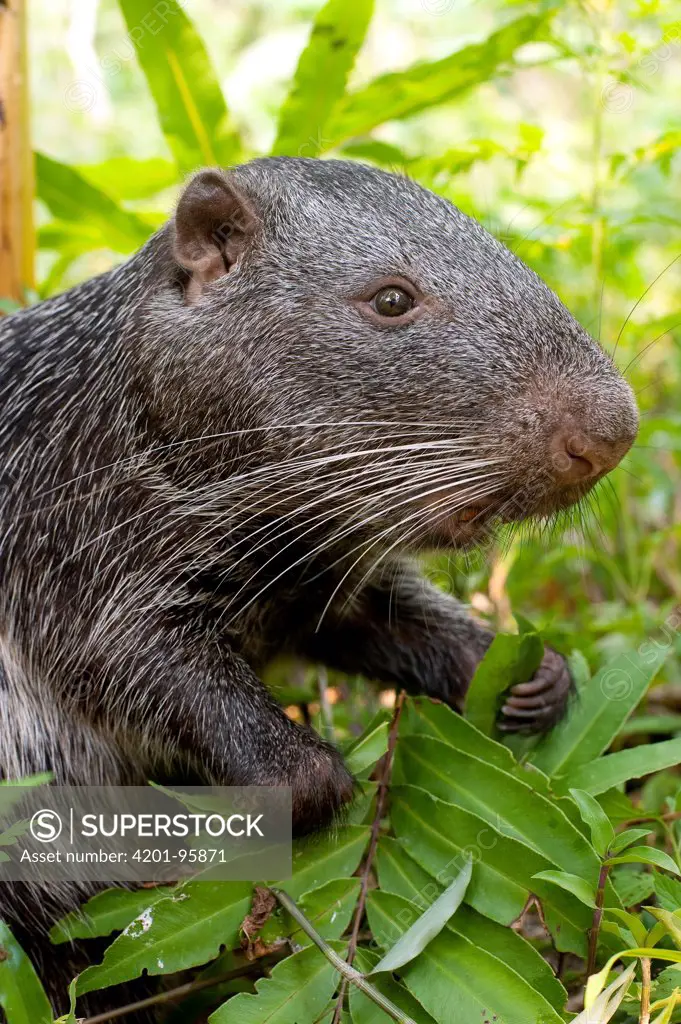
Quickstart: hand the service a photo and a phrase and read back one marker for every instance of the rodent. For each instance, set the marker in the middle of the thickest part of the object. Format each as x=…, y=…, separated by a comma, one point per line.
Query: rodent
x=230, y=447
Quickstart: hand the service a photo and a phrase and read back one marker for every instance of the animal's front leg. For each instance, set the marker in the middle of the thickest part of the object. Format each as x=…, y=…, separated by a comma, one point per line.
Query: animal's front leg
x=205, y=703
x=403, y=630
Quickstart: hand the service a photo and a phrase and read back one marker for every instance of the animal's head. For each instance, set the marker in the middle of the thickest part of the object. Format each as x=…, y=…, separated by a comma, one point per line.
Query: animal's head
x=382, y=338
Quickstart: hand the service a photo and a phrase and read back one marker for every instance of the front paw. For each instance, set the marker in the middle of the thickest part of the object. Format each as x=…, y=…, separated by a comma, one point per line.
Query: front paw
x=321, y=785
x=537, y=706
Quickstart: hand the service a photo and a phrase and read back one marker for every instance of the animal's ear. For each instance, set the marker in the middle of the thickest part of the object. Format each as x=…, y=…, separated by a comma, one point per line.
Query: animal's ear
x=213, y=225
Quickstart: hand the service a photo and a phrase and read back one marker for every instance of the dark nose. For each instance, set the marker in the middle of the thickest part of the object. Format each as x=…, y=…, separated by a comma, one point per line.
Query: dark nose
x=578, y=459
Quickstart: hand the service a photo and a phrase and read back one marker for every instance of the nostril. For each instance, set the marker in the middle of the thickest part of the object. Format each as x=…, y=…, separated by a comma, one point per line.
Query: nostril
x=574, y=458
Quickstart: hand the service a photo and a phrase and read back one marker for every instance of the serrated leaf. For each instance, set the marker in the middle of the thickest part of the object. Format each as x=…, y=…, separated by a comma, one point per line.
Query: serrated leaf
x=71, y=198
x=22, y=996
x=404, y=93
x=452, y=972
x=180, y=931
x=108, y=911
x=429, y=924
x=646, y=855
x=584, y=892
x=615, y=769
x=593, y=815
x=191, y=108
x=319, y=81
x=298, y=989
x=510, y=659
x=400, y=874
x=596, y=718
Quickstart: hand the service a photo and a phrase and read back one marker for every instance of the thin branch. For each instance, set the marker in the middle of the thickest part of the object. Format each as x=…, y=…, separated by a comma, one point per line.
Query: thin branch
x=598, y=917
x=645, y=991
x=349, y=973
x=189, y=988
x=381, y=797
x=669, y=816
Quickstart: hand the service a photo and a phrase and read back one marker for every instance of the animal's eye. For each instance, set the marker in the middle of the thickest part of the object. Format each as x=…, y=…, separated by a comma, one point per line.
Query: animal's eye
x=392, y=301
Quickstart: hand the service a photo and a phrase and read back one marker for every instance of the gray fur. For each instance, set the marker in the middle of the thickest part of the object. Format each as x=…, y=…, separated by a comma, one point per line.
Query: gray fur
x=157, y=543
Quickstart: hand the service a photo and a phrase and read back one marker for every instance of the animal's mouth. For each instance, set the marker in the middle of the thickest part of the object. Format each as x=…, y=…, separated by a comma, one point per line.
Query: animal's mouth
x=465, y=526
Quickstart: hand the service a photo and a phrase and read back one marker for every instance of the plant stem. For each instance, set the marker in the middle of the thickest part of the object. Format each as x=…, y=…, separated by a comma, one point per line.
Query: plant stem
x=348, y=972
x=645, y=990
x=373, y=842
x=16, y=157
x=189, y=988
x=598, y=917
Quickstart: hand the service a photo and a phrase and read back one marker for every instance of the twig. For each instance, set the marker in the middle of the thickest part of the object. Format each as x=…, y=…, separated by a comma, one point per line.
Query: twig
x=645, y=990
x=598, y=917
x=349, y=973
x=373, y=842
x=669, y=816
x=324, y=702
x=189, y=988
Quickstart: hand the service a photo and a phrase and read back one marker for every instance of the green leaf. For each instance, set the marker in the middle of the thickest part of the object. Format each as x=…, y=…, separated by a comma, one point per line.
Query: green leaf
x=626, y=838
x=638, y=930
x=22, y=996
x=597, y=717
x=615, y=769
x=438, y=836
x=298, y=990
x=319, y=81
x=180, y=931
x=191, y=108
x=365, y=1011
x=329, y=908
x=405, y=93
x=452, y=972
x=510, y=659
x=646, y=855
x=72, y=199
x=593, y=815
x=668, y=892
x=671, y=920
x=422, y=717
x=505, y=801
x=334, y=856
x=604, y=1004
x=124, y=178
x=571, y=883
x=633, y=884
x=399, y=873
x=368, y=749
x=108, y=911
x=429, y=924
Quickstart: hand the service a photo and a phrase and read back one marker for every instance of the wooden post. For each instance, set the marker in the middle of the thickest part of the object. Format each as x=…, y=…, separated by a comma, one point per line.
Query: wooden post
x=16, y=158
